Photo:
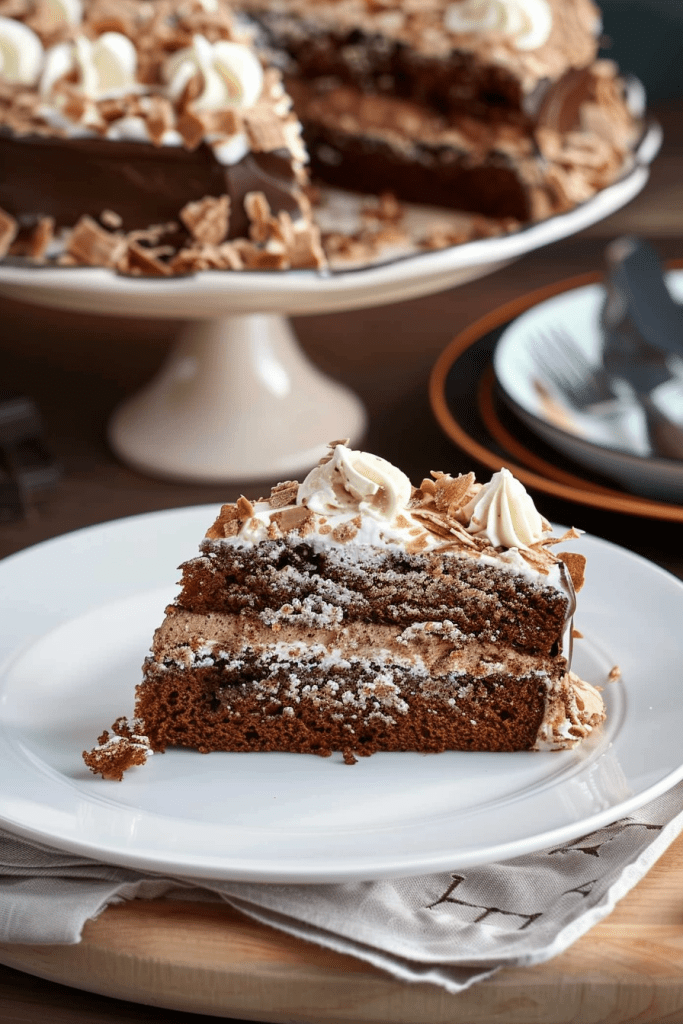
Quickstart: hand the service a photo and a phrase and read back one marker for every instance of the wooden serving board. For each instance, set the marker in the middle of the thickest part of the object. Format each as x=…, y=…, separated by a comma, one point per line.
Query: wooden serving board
x=208, y=958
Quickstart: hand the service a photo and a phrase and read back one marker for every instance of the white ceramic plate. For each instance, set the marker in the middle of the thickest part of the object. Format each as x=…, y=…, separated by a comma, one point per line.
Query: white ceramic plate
x=78, y=614
x=615, y=443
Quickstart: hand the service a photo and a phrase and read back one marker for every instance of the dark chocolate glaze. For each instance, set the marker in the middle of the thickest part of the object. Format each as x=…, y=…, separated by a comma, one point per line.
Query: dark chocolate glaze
x=144, y=184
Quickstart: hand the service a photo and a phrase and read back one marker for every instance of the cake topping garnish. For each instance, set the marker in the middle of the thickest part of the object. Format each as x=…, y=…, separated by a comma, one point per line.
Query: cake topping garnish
x=232, y=73
x=105, y=67
x=21, y=53
x=504, y=512
x=576, y=566
x=527, y=22
x=355, y=479
x=283, y=494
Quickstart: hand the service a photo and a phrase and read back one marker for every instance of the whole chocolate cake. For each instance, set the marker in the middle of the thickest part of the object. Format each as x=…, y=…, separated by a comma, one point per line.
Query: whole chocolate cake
x=165, y=137
x=356, y=613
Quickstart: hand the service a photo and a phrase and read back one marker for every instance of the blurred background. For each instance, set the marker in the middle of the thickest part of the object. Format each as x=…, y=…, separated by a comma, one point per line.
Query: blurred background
x=645, y=37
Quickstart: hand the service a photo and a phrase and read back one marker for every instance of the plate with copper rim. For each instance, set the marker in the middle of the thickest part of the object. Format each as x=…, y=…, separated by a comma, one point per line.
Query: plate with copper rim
x=71, y=649
x=494, y=437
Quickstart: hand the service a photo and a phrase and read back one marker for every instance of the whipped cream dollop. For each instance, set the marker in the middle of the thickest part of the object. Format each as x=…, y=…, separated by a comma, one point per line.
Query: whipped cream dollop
x=106, y=67
x=504, y=512
x=352, y=479
x=232, y=73
x=21, y=53
x=527, y=22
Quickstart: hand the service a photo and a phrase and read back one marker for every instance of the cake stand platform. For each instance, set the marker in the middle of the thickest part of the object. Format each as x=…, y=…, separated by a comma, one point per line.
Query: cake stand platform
x=237, y=398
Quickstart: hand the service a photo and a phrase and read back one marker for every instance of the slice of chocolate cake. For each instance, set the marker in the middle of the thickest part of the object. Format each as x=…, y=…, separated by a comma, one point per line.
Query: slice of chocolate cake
x=356, y=613
x=155, y=132
x=493, y=106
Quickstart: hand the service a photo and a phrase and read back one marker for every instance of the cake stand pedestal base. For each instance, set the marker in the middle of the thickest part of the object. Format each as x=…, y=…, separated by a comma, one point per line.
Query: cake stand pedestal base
x=236, y=399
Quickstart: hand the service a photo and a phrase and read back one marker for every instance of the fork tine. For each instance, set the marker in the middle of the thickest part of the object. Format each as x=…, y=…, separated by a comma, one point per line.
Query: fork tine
x=565, y=366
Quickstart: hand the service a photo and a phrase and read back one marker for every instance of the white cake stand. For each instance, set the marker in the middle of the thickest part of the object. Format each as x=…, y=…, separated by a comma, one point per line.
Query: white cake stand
x=237, y=398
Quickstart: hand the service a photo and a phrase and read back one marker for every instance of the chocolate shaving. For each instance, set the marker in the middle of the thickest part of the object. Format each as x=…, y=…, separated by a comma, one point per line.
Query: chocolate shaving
x=35, y=243
x=537, y=559
x=446, y=528
x=255, y=258
x=207, y=257
x=306, y=251
x=92, y=246
x=264, y=130
x=159, y=118
x=451, y=494
x=576, y=566
x=284, y=494
x=138, y=261
x=225, y=122
x=207, y=219
x=245, y=508
x=298, y=518
x=227, y=523
x=8, y=232
x=191, y=128
x=571, y=534
x=257, y=209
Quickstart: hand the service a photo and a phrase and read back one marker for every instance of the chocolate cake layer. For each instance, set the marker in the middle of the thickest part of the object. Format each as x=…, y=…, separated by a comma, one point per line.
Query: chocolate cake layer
x=229, y=682
x=437, y=175
x=379, y=586
x=198, y=709
x=374, y=63
x=45, y=176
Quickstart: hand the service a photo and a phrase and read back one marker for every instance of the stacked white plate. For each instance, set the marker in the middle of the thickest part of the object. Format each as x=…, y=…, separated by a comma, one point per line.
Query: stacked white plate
x=611, y=441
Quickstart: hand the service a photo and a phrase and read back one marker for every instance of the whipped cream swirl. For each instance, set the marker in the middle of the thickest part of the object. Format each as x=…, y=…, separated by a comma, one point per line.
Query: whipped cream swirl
x=21, y=53
x=527, y=22
x=504, y=512
x=106, y=67
x=232, y=73
x=351, y=479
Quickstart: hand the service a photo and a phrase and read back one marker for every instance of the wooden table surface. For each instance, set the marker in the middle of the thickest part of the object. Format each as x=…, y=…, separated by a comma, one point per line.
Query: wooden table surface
x=78, y=368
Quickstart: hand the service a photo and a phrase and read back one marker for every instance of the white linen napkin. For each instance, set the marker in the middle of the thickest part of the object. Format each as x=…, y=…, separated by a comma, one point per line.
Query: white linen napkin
x=452, y=929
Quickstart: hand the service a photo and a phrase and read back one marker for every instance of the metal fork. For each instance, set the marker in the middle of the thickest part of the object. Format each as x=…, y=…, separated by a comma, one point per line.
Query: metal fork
x=582, y=382
x=586, y=385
